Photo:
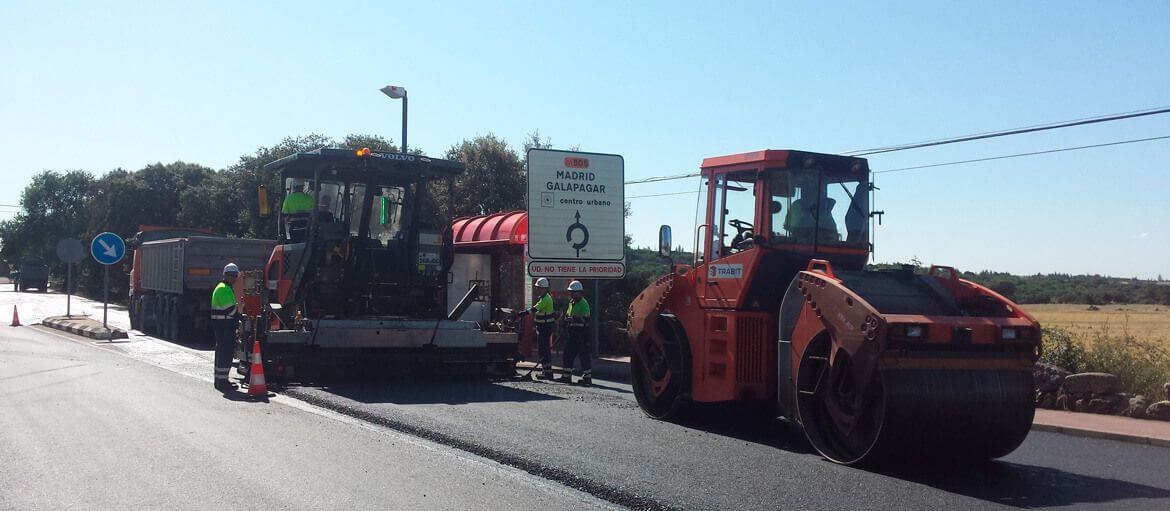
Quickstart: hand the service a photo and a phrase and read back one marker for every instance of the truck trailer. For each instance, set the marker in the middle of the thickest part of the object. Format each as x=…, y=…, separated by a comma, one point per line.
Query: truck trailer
x=173, y=273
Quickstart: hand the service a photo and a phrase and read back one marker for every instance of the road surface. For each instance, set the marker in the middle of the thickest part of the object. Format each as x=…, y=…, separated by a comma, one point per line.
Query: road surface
x=596, y=440
x=85, y=427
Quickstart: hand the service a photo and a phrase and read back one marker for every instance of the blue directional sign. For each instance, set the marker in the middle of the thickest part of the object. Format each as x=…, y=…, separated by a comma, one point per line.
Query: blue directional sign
x=107, y=248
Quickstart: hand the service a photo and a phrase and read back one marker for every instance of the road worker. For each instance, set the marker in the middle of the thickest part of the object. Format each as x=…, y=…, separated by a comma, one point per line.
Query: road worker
x=578, y=345
x=297, y=207
x=299, y=201
x=544, y=317
x=224, y=319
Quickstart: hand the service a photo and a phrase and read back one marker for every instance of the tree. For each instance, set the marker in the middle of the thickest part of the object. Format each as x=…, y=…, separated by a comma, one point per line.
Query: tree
x=52, y=208
x=121, y=201
x=374, y=142
x=248, y=174
x=494, y=179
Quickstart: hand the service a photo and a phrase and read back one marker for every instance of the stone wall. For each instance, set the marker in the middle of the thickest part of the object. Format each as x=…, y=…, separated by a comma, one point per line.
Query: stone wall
x=1094, y=393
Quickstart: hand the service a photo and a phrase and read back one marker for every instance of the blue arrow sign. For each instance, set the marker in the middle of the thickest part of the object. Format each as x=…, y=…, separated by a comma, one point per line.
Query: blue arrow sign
x=107, y=248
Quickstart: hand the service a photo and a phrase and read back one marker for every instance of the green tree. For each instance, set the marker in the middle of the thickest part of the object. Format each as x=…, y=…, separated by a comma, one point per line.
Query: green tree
x=248, y=174
x=52, y=208
x=494, y=179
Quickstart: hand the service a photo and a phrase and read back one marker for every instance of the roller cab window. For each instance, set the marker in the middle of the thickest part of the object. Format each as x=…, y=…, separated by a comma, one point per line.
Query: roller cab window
x=735, y=200
x=812, y=207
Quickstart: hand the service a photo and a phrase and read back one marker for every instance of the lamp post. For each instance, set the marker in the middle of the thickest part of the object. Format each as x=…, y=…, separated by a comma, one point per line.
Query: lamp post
x=396, y=92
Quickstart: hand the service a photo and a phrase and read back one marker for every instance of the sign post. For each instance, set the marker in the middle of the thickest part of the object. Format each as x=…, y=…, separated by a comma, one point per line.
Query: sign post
x=70, y=251
x=577, y=219
x=107, y=248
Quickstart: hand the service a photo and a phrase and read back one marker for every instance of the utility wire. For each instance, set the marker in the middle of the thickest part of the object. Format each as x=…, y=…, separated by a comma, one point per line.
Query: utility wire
x=968, y=138
x=1013, y=131
x=661, y=194
x=660, y=178
x=1018, y=155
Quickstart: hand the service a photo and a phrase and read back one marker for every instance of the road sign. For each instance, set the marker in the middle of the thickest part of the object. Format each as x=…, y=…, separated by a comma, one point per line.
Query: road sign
x=580, y=270
x=107, y=248
x=70, y=250
x=576, y=211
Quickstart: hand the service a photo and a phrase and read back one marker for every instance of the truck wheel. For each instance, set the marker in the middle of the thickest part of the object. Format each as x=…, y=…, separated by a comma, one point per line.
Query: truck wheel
x=133, y=310
x=172, y=320
x=176, y=318
x=662, y=381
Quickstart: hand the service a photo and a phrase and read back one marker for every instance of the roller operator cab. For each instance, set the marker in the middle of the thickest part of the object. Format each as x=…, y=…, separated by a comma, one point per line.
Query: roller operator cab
x=360, y=272
x=777, y=310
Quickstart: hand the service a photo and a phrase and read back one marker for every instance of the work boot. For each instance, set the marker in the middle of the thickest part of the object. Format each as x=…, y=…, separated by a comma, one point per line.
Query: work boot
x=547, y=375
x=565, y=378
x=585, y=381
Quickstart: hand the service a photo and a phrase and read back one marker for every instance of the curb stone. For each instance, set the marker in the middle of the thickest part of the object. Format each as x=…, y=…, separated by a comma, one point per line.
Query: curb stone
x=92, y=332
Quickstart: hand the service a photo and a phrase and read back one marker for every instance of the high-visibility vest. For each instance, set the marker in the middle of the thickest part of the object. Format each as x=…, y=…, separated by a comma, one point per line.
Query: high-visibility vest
x=223, y=302
x=297, y=202
x=543, y=310
x=578, y=312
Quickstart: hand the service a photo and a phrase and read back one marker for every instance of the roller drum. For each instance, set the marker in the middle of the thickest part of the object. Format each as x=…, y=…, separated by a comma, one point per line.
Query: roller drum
x=932, y=414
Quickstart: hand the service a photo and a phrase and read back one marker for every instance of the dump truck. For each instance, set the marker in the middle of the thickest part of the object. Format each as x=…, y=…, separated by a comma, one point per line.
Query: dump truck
x=778, y=312
x=359, y=280
x=30, y=276
x=172, y=274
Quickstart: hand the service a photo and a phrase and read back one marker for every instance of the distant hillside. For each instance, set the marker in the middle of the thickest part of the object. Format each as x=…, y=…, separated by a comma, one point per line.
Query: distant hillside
x=645, y=265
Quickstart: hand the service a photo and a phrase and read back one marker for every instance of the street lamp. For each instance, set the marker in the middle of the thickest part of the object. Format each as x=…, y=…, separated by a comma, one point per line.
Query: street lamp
x=396, y=92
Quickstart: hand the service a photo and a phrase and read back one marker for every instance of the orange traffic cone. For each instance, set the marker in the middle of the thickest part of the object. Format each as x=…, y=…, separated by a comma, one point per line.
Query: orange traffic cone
x=256, y=383
x=15, y=317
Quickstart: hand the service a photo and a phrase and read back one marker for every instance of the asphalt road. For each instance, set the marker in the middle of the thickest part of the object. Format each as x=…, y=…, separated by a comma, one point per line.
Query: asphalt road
x=596, y=439
x=83, y=427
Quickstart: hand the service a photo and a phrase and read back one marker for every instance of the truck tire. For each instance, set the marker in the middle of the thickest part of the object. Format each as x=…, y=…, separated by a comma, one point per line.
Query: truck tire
x=168, y=323
x=152, y=309
x=135, y=324
x=175, y=318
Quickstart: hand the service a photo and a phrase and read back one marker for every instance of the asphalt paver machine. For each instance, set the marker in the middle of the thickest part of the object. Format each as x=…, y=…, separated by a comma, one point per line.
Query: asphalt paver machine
x=778, y=311
x=358, y=279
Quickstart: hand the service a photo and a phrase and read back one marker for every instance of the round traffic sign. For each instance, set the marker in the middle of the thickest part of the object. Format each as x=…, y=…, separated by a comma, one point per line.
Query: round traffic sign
x=107, y=248
x=70, y=250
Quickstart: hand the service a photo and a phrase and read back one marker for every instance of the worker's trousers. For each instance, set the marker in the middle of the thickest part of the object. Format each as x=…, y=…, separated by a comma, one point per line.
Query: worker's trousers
x=579, y=345
x=225, y=345
x=544, y=333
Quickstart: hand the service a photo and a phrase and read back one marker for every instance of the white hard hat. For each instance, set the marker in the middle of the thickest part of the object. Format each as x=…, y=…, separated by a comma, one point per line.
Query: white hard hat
x=542, y=282
x=575, y=286
x=231, y=268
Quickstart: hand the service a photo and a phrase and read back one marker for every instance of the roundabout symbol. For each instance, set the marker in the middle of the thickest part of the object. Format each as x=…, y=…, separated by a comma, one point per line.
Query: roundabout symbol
x=577, y=226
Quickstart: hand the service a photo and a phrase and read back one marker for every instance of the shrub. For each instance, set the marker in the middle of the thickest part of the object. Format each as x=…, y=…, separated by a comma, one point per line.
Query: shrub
x=1062, y=350
x=1143, y=366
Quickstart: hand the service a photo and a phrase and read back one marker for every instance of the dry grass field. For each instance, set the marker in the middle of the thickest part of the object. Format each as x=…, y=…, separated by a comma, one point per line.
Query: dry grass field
x=1145, y=322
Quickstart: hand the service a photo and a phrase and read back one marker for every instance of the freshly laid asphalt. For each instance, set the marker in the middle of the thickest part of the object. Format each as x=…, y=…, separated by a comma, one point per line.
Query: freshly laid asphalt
x=596, y=440
x=603, y=443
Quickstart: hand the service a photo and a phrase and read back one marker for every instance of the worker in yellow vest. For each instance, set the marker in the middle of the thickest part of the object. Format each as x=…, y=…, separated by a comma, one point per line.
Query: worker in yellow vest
x=544, y=317
x=579, y=345
x=297, y=207
x=224, y=320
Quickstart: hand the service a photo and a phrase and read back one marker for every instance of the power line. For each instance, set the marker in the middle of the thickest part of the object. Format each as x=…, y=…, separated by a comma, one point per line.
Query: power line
x=968, y=138
x=1013, y=131
x=660, y=178
x=661, y=194
x=1018, y=155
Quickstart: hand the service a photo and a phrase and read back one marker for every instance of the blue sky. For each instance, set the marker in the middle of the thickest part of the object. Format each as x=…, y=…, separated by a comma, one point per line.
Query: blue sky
x=663, y=84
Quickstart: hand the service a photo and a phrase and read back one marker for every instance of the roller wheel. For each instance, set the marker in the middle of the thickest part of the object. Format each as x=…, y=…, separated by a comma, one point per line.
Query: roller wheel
x=662, y=381
x=839, y=431
x=933, y=414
